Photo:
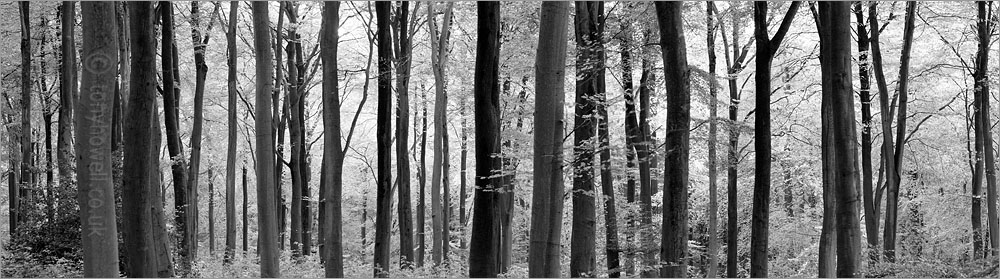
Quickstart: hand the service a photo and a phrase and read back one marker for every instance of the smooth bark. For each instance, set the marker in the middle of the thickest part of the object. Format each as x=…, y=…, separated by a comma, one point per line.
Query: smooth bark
x=267, y=221
x=485, y=244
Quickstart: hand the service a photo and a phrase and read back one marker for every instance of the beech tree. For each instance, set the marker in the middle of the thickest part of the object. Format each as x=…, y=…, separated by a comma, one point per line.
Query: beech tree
x=767, y=46
x=485, y=244
x=267, y=221
x=67, y=92
x=402, y=48
x=439, y=173
x=588, y=62
x=200, y=42
x=333, y=154
x=383, y=134
x=93, y=120
x=713, y=203
x=231, y=133
x=546, y=204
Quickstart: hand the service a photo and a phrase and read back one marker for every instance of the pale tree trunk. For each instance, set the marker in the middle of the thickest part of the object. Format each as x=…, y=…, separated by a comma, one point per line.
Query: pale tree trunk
x=384, y=143
x=547, y=203
x=333, y=155
x=673, y=251
x=67, y=96
x=766, y=48
x=439, y=61
x=267, y=221
x=713, y=192
x=484, y=251
x=582, y=242
x=96, y=190
x=232, y=126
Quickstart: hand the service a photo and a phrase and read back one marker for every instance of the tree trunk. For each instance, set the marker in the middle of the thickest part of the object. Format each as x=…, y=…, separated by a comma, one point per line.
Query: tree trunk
x=544, y=252
x=463, y=217
x=633, y=137
x=171, y=96
x=333, y=154
x=982, y=85
x=384, y=141
x=484, y=251
x=713, y=192
x=267, y=221
x=200, y=42
x=100, y=49
x=245, y=204
x=422, y=203
x=439, y=61
x=827, y=259
x=162, y=240
x=582, y=255
x=871, y=211
x=232, y=126
x=405, y=212
x=645, y=157
x=835, y=50
x=674, y=239
x=26, y=150
x=733, y=159
x=892, y=189
x=279, y=118
x=766, y=47
x=211, y=214
x=67, y=95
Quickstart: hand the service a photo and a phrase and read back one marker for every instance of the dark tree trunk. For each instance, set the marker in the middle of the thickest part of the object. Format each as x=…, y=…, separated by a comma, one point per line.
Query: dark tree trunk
x=645, y=156
x=267, y=221
x=892, y=188
x=67, y=95
x=713, y=203
x=232, y=126
x=171, y=101
x=582, y=247
x=96, y=190
x=384, y=142
x=544, y=252
x=405, y=211
x=245, y=204
x=439, y=175
x=484, y=251
x=333, y=153
x=26, y=155
x=211, y=214
x=871, y=209
x=673, y=253
x=633, y=137
x=766, y=47
x=199, y=41
x=422, y=202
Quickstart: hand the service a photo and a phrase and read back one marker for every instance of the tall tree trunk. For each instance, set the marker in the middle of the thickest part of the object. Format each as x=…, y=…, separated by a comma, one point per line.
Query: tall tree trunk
x=633, y=137
x=733, y=158
x=544, y=252
x=67, y=95
x=645, y=157
x=96, y=190
x=439, y=61
x=26, y=151
x=245, y=204
x=422, y=202
x=463, y=217
x=279, y=118
x=211, y=214
x=673, y=253
x=713, y=192
x=295, y=240
x=333, y=152
x=161, y=238
x=871, y=210
x=200, y=42
x=982, y=126
x=766, y=47
x=171, y=96
x=835, y=53
x=982, y=85
x=405, y=212
x=484, y=251
x=582, y=255
x=267, y=221
x=892, y=189
x=231, y=55
x=384, y=141
x=827, y=259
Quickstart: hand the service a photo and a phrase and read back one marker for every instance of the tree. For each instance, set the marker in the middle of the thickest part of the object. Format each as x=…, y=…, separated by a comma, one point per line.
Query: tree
x=674, y=239
x=439, y=173
x=200, y=42
x=864, y=93
x=383, y=134
x=982, y=86
x=232, y=126
x=647, y=157
x=633, y=134
x=766, y=48
x=93, y=120
x=67, y=92
x=547, y=191
x=301, y=221
x=713, y=89
x=267, y=221
x=171, y=94
x=333, y=154
x=484, y=251
x=840, y=152
x=603, y=135
x=582, y=255
x=26, y=155
x=403, y=47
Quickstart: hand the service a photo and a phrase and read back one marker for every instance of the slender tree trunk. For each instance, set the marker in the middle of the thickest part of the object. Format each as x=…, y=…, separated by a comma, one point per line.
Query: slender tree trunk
x=645, y=157
x=422, y=203
x=67, y=95
x=232, y=126
x=463, y=217
x=96, y=190
x=766, y=47
x=279, y=118
x=484, y=251
x=267, y=221
x=713, y=192
x=892, y=189
x=384, y=131
x=674, y=239
x=870, y=210
x=633, y=137
x=439, y=60
x=547, y=194
x=26, y=150
x=200, y=42
x=982, y=85
x=980, y=92
x=245, y=204
x=171, y=96
x=733, y=159
x=162, y=240
x=211, y=214
x=582, y=255
x=405, y=212
x=333, y=154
